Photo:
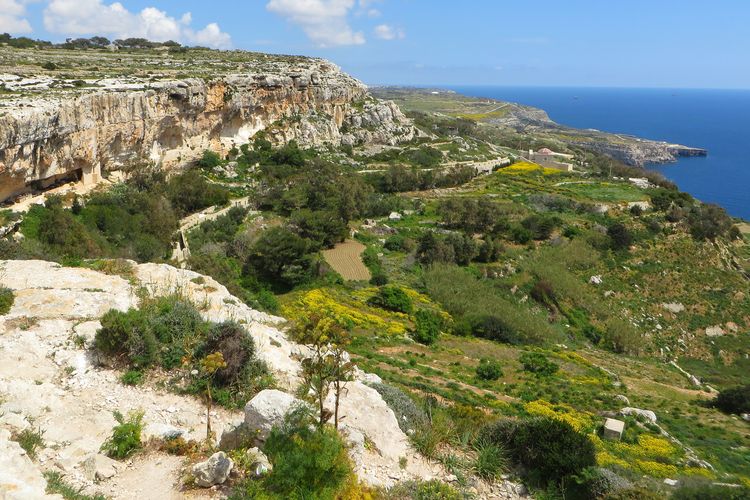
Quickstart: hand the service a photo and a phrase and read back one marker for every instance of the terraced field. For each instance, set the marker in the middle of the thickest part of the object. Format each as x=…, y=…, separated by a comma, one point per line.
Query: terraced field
x=346, y=259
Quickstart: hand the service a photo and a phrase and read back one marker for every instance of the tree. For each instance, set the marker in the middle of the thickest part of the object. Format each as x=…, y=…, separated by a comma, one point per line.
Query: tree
x=734, y=400
x=328, y=365
x=620, y=236
x=210, y=365
x=427, y=326
x=281, y=257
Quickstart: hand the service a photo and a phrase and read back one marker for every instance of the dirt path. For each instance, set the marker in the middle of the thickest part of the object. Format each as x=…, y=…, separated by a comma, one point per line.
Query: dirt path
x=211, y=213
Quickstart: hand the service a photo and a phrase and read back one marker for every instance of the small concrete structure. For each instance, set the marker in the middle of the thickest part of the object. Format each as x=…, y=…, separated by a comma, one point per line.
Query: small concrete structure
x=394, y=216
x=551, y=159
x=613, y=429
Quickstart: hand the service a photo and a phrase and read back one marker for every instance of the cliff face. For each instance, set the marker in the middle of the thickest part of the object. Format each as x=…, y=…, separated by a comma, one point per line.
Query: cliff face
x=120, y=123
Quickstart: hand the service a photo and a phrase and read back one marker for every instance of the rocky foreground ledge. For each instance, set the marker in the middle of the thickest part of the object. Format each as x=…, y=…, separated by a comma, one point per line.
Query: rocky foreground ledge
x=50, y=379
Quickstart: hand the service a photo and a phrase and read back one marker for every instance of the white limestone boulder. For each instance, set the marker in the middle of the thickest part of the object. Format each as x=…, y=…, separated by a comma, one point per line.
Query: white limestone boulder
x=213, y=471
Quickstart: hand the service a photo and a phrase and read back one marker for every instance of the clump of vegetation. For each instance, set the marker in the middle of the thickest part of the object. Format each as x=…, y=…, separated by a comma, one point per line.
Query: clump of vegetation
x=126, y=435
x=392, y=298
x=7, y=297
x=56, y=485
x=549, y=449
x=308, y=462
x=538, y=364
x=423, y=490
x=427, y=325
x=491, y=459
x=489, y=369
x=734, y=400
x=169, y=332
x=479, y=310
x=132, y=377
x=408, y=415
x=30, y=440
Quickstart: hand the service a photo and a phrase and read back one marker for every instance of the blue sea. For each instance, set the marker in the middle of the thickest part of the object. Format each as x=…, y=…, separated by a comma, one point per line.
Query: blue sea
x=718, y=120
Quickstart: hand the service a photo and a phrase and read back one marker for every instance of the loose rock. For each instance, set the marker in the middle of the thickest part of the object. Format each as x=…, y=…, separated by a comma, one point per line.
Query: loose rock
x=213, y=471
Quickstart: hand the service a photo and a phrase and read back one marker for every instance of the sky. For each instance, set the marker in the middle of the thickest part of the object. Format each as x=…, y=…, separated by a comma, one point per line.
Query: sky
x=586, y=43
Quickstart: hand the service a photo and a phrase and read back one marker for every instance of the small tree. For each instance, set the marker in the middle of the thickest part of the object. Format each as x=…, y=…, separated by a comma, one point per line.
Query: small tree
x=210, y=365
x=329, y=363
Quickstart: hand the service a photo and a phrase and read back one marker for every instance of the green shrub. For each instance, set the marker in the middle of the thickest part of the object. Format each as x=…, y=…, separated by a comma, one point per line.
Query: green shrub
x=308, y=462
x=190, y=192
x=427, y=325
x=596, y=482
x=538, y=364
x=30, y=440
x=478, y=308
x=56, y=485
x=7, y=297
x=132, y=377
x=489, y=369
x=620, y=236
x=392, y=298
x=209, y=160
x=127, y=336
x=549, y=449
x=734, y=400
x=491, y=460
x=170, y=332
x=126, y=435
x=423, y=490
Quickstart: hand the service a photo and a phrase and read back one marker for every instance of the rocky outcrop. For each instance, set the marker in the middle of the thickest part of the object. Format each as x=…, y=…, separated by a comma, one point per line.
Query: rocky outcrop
x=49, y=376
x=20, y=479
x=65, y=136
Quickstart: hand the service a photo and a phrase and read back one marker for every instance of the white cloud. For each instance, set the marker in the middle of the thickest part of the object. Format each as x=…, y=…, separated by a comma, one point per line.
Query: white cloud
x=325, y=22
x=386, y=32
x=12, y=18
x=94, y=17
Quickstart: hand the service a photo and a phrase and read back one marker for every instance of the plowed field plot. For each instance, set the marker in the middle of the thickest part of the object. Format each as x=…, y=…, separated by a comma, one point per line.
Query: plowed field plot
x=346, y=259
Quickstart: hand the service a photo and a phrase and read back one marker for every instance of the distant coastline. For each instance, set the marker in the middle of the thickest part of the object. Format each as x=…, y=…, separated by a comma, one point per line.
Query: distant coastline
x=713, y=119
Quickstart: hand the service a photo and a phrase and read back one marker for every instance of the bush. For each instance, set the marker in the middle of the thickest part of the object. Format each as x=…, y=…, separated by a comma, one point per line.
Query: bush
x=427, y=326
x=6, y=300
x=538, y=364
x=170, y=332
x=489, y=369
x=308, y=462
x=491, y=460
x=132, y=377
x=127, y=336
x=427, y=490
x=620, y=236
x=126, y=435
x=596, y=482
x=392, y=298
x=57, y=485
x=549, y=449
x=734, y=400
x=30, y=440
x=190, y=192
x=408, y=414
x=209, y=160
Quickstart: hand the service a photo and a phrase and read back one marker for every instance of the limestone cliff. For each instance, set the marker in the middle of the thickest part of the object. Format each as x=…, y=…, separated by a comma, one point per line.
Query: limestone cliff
x=118, y=122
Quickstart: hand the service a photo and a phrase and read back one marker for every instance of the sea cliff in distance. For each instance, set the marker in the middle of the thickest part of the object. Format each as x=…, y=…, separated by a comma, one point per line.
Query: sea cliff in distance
x=517, y=121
